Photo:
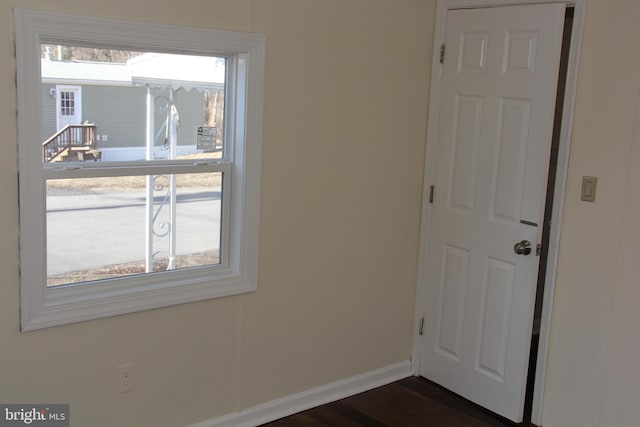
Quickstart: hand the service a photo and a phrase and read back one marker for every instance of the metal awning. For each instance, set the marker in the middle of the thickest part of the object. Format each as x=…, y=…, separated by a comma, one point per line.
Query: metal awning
x=162, y=70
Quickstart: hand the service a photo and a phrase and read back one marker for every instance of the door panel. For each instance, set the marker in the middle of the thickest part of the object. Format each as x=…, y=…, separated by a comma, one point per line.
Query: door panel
x=511, y=148
x=468, y=119
x=495, y=122
x=495, y=313
x=451, y=318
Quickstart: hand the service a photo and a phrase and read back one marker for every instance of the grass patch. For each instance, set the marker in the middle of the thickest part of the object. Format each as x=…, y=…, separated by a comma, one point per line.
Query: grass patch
x=133, y=268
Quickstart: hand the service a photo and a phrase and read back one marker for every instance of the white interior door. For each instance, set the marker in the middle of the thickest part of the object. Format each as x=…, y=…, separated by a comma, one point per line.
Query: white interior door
x=495, y=119
x=68, y=106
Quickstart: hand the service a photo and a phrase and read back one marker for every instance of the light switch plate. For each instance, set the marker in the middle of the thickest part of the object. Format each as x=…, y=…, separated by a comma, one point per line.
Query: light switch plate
x=589, y=184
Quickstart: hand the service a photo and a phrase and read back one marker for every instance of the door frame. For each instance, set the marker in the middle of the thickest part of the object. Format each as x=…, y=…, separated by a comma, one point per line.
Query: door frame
x=443, y=6
x=77, y=100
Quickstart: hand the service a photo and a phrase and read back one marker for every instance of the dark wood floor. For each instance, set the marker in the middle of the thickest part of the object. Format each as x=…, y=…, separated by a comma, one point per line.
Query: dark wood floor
x=410, y=402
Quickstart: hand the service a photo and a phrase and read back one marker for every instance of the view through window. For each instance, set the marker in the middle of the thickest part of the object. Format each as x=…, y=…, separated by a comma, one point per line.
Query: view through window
x=123, y=111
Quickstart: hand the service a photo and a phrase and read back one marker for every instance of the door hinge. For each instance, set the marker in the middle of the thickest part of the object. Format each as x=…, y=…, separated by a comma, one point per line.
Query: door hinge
x=431, y=194
x=442, y=49
x=421, y=329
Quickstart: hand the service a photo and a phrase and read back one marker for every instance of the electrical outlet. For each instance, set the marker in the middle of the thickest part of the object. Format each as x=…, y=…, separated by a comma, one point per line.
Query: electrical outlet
x=126, y=378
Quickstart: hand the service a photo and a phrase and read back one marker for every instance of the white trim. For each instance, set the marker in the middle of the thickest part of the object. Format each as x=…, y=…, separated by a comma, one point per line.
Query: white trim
x=571, y=90
x=43, y=307
x=68, y=82
x=294, y=403
x=127, y=154
x=563, y=161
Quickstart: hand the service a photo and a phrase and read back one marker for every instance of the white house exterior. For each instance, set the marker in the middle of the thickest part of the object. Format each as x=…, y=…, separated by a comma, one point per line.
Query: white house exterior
x=113, y=97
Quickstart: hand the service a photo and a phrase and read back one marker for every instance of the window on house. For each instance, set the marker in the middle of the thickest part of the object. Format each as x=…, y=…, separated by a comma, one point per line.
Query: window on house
x=147, y=194
x=67, y=105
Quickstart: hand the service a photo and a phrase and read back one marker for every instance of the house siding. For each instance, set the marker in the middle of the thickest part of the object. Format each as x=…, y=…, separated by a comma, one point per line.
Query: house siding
x=120, y=114
x=48, y=112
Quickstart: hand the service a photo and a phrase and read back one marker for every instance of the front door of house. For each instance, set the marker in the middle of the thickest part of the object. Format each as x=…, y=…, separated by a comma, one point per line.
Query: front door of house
x=495, y=118
x=68, y=106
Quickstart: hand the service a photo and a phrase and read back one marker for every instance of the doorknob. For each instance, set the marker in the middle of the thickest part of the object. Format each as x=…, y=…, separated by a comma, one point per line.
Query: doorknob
x=522, y=248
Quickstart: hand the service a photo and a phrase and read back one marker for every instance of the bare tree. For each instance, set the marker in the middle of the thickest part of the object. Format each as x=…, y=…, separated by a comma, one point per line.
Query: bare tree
x=75, y=53
x=214, y=111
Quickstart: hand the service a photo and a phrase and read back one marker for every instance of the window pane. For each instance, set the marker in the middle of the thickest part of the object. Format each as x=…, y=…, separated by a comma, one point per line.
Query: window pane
x=103, y=228
x=121, y=105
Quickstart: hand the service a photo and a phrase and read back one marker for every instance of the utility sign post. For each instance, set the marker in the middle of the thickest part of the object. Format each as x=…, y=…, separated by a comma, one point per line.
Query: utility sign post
x=206, y=138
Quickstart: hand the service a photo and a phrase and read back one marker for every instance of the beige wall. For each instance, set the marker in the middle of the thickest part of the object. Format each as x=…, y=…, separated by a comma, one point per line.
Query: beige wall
x=620, y=405
x=595, y=345
x=345, y=112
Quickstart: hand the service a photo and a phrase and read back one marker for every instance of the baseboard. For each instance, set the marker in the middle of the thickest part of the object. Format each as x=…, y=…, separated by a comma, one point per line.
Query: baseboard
x=294, y=403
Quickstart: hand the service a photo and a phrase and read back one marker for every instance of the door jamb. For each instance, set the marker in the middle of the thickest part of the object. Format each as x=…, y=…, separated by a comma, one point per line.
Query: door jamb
x=443, y=6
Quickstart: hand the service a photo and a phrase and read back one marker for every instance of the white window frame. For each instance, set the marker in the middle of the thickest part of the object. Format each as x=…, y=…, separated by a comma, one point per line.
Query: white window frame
x=237, y=273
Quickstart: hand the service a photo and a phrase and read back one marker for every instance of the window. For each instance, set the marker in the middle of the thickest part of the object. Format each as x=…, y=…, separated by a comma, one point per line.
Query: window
x=67, y=104
x=152, y=199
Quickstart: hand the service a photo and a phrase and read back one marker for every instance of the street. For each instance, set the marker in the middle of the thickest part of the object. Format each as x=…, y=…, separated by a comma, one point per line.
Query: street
x=87, y=231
